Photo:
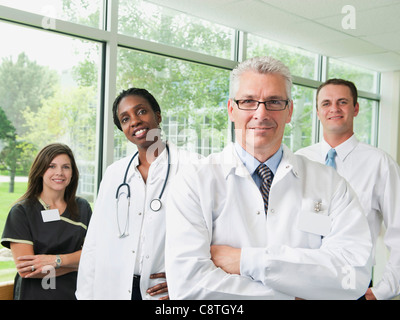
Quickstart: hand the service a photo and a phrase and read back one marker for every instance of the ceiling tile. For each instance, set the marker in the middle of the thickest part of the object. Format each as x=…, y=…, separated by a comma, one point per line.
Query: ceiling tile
x=389, y=41
x=370, y=22
x=313, y=25
x=382, y=62
x=316, y=9
x=349, y=47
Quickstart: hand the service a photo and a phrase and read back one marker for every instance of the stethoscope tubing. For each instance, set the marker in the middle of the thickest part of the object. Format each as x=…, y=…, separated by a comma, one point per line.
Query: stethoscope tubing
x=126, y=174
x=155, y=204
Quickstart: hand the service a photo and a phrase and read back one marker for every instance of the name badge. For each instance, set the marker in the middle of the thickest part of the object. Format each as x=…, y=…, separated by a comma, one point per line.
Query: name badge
x=314, y=223
x=313, y=220
x=50, y=215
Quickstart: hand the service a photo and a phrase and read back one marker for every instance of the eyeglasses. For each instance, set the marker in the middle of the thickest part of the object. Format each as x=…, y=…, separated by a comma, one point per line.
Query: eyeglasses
x=271, y=105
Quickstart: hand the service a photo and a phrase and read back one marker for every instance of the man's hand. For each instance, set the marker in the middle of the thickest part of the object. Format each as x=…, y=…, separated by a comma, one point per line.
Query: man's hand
x=227, y=258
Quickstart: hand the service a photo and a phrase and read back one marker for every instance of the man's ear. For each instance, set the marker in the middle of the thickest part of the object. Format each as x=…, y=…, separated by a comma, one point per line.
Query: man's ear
x=289, y=118
x=230, y=110
x=356, y=109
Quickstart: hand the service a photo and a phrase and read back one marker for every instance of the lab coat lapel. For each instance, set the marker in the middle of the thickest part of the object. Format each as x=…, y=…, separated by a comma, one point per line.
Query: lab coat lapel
x=288, y=164
x=231, y=163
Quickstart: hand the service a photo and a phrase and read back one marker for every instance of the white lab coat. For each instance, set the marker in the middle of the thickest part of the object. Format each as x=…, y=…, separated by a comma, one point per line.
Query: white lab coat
x=375, y=177
x=219, y=203
x=108, y=263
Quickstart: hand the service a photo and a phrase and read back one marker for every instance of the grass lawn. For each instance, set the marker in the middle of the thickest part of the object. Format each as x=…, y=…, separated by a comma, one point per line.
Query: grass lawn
x=7, y=268
x=7, y=199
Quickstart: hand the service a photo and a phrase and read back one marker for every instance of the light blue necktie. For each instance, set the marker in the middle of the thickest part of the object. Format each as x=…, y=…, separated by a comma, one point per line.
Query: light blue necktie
x=330, y=159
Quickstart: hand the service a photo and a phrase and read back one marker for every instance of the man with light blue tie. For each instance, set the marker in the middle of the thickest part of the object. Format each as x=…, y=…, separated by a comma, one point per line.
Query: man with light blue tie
x=372, y=173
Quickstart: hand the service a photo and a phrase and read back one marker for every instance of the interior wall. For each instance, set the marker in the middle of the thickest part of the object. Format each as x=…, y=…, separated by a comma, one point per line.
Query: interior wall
x=388, y=140
x=389, y=115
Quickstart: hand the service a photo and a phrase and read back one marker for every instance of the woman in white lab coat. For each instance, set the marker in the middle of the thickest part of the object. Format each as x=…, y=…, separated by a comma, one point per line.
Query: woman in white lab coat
x=123, y=254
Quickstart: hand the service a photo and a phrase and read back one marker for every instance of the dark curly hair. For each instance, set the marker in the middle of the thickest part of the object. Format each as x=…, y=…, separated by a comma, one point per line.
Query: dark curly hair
x=133, y=92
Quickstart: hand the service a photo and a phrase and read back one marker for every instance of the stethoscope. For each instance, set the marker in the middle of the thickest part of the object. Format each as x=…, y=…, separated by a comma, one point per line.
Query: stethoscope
x=155, y=204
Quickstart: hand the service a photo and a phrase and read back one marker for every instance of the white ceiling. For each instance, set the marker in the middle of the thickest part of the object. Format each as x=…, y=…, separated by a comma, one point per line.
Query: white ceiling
x=313, y=25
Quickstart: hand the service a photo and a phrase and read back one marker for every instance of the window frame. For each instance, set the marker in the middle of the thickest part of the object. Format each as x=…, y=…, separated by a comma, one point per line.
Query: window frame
x=111, y=40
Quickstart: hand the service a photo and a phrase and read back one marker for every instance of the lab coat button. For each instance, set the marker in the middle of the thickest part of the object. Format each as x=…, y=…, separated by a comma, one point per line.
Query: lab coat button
x=258, y=212
x=272, y=211
x=147, y=257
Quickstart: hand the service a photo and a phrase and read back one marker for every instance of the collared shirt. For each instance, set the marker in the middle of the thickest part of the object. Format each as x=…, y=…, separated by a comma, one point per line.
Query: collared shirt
x=375, y=177
x=108, y=263
x=252, y=163
x=218, y=203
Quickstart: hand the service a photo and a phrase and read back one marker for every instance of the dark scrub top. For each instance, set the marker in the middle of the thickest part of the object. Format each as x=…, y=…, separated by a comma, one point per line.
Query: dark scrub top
x=25, y=225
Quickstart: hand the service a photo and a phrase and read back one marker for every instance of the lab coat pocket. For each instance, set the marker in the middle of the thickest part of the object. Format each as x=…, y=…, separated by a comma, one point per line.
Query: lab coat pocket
x=313, y=218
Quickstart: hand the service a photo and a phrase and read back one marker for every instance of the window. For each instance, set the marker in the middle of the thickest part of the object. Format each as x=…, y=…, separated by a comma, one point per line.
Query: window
x=301, y=63
x=85, y=12
x=51, y=74
x=145, y=20
x=365, y=123
x=48, y=94
x=365, y=80
x=192, y=98
x=299, y=132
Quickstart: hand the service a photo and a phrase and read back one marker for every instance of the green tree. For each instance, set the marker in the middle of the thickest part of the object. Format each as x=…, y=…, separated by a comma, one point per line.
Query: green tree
x=7, y=130
x=68, y=116
x=12, y=150
x=192, y=95
x=23, y=84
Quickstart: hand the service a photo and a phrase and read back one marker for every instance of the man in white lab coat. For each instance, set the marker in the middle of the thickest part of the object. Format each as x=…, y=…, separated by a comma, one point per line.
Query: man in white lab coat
x=373, y=174
x=123, y=253
x=309, y=239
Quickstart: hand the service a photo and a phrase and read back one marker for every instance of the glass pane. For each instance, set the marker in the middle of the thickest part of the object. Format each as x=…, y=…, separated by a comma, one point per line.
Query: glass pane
x=192, y=98
x=299, y=132
x=364, y=79
x=86, y=12
x=364, y=127
x=301, y=63
x=144, y=20
x=48, y=93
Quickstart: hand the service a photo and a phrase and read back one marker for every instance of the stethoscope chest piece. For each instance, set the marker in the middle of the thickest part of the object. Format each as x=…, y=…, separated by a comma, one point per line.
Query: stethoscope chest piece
x=155, y=205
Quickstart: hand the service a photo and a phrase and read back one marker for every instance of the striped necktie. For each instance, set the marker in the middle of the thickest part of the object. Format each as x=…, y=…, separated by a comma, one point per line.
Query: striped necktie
x=266, y=176
x=330, y=159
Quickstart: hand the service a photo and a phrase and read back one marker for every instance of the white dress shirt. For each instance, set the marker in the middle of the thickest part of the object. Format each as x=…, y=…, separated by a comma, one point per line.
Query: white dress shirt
x=375, y=177
x=108, y=263
x=292, y=251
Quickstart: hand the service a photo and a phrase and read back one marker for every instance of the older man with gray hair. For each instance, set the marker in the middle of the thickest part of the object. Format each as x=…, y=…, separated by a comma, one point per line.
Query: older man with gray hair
x=256, y=221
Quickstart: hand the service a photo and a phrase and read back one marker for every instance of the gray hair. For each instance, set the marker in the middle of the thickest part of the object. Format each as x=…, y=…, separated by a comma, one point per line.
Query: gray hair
x=263, y=65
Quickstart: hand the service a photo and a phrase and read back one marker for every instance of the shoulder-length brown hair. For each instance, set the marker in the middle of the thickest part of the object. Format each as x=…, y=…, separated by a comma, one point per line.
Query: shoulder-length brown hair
x=39, y=167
